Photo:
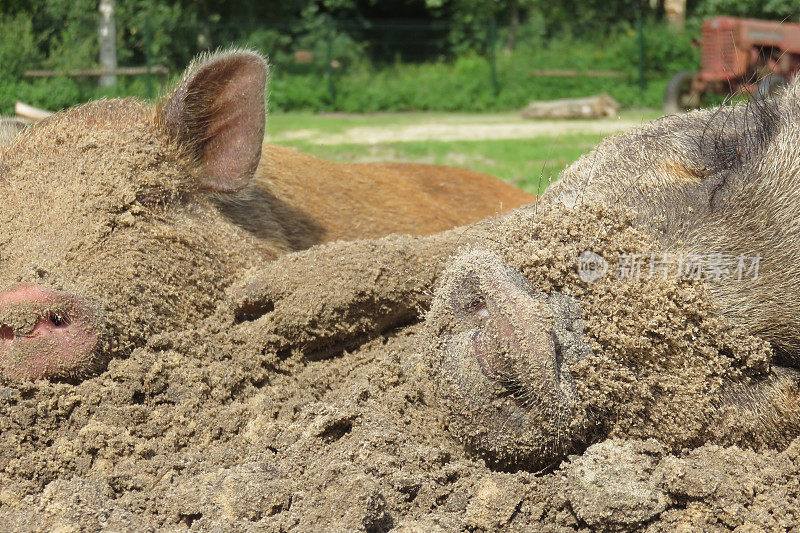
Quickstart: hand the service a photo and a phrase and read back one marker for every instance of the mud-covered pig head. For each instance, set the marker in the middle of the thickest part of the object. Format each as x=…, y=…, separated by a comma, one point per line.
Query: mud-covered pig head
x=529, y=375
x=108, y=226
x=685, y=336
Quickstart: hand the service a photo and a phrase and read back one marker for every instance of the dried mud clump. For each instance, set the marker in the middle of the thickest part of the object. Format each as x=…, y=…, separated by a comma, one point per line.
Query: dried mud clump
x=536, y=365
x=193, y=432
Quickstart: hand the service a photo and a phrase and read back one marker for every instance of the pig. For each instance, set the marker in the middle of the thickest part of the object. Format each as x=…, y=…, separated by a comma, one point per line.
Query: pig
x=713, y=183
x=532, y=362
x=121, y=219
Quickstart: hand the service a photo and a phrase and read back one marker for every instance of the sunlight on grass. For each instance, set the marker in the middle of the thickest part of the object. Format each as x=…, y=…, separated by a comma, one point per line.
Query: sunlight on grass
x=527, y=163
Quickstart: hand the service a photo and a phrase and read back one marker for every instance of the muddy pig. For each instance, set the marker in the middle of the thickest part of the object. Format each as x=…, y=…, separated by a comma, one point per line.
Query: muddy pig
x=533, y=361
x=535, y=366
x=121, y=218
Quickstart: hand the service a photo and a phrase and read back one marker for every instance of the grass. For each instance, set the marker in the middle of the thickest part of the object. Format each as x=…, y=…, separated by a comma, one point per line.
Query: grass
x=528, y=163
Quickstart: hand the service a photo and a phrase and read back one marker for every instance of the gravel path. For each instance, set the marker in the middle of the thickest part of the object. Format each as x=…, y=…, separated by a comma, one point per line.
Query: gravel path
x=474, y=131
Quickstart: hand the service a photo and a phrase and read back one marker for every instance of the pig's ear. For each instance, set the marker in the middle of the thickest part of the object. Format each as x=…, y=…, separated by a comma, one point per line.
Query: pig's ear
x=217, y=113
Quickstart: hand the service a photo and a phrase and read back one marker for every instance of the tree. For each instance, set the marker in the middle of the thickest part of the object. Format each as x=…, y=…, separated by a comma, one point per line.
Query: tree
x=763, y=9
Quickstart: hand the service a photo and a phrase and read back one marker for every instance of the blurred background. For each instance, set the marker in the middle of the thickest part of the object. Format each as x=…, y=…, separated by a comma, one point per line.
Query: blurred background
x=367, y=56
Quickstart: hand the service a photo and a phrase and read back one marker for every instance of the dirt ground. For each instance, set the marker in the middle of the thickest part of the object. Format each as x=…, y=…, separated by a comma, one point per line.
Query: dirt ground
x=177, y=438
x=224, y=428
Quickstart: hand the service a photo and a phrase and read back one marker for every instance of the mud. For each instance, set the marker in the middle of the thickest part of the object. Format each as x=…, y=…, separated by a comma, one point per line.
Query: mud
x=166, y=441
x=243, y=423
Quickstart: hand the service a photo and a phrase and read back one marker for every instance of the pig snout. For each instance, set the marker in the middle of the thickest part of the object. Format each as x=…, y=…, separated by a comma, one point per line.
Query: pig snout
x=500, y=357
x=46, y=333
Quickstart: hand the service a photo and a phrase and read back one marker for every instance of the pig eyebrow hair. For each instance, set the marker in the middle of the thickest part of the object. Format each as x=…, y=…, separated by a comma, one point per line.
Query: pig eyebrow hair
x=753, y=126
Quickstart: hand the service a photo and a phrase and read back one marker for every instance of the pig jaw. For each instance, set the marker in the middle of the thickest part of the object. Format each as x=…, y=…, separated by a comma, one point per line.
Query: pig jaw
x=46, y=334
x=500, y=361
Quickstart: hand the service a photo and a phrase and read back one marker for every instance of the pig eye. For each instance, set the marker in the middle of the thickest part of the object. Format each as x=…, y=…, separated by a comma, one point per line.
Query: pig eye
x=498, y=369
x=477, y=308
x=151, y=197
x=159, y=197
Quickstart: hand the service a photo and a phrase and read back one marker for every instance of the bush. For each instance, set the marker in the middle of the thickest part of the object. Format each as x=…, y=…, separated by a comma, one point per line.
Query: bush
x=667, y=50
x=460, y=84
x=464, y=84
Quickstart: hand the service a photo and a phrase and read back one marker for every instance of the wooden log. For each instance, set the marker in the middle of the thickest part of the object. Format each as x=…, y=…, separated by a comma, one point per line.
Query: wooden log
x=592, y=107
x=30, y=113
x=121, y=71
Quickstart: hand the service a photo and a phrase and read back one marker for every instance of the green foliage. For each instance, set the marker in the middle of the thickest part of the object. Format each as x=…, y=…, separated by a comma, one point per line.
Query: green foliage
x=667, y=50
x=170, y=32
x=449, y=41
x=272, y=42
x=761, y=9
x=464, y=84
x=73, y=45
x=298, y=91
x=18, y=46
x=54, y=93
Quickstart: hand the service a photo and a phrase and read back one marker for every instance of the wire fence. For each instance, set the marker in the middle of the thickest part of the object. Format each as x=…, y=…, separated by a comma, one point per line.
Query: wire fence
x=333, y=59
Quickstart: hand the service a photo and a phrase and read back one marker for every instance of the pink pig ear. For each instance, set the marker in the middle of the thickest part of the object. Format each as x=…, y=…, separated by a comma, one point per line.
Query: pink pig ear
x=217, y=112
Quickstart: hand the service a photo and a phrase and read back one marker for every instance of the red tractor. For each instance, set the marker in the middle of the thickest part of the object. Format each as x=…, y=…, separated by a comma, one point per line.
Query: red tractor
x=738, y=56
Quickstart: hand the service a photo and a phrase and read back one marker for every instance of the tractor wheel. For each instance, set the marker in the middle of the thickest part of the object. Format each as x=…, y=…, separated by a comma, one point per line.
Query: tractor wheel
x=769, y=86
x=678, y=96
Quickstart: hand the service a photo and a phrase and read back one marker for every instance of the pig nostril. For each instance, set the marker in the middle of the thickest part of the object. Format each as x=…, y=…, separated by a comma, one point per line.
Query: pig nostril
x=46, y=333
x=59, y=321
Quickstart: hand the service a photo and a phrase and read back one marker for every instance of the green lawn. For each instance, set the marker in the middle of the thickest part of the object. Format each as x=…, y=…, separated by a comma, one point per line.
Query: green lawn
x=526, y=162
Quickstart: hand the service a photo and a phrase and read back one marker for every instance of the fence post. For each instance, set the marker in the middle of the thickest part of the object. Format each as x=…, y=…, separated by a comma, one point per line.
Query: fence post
x=147, y=60
x=493, y=55
x=640, y=30
x=331, y=81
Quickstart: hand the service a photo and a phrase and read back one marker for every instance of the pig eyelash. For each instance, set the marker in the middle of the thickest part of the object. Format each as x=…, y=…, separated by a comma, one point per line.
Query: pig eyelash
x=513, y=388
x=148, y=198
x=474, y=306
x=157, y=196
